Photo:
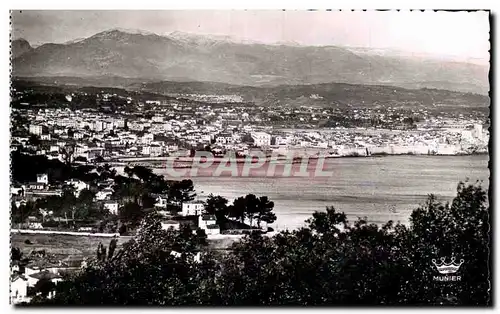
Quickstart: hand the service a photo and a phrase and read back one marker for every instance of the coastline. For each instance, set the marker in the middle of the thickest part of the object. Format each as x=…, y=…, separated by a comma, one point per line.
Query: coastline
x=177, y=162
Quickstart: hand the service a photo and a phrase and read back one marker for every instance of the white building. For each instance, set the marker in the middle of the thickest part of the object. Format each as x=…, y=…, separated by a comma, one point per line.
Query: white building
x=209, y=224
x=161, y=202
x=78, y=185
x=280, y=140
x=192, y=209
x=157, y=118
x=45, y=137
x=16, y=191
x=147, y=138
x=206, y=220
x=478, y=131
x=224, y=138
x=152, y=150
x=104, y=194
x=42, y=178
x=35, y=225
x=98, y=126
x=112, y=207
x=19, y=289
x=54, y=148
x=261, y=138
x=212, y=230
x=170, y=224
x=35, y=129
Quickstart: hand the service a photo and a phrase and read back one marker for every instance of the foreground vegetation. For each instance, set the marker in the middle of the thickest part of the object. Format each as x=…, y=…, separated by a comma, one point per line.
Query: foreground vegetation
x=329, y=262
x=136, y=191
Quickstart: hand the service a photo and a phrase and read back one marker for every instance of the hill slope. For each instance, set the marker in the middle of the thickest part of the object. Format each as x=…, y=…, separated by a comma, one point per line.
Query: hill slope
x=196, y=58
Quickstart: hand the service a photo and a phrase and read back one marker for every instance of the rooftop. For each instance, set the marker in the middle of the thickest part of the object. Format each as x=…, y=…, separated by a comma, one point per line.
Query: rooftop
x=208, y=217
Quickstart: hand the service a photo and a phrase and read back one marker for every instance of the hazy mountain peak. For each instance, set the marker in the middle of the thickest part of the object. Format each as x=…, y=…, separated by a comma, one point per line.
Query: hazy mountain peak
x=196, y=57
x=117, y=32
x=288, y=43
x=74, y=41
x=19, y=47
x=207, y=38
x=192, y=37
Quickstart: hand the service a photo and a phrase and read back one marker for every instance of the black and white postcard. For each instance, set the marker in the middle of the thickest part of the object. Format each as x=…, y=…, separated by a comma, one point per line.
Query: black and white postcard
x=251, y=158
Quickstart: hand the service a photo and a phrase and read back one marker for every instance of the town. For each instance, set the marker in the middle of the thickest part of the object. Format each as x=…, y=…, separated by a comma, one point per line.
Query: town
x=154, y=128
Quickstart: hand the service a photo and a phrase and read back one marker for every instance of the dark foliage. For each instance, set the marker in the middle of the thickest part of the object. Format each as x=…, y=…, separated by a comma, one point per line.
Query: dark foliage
x=330, y=262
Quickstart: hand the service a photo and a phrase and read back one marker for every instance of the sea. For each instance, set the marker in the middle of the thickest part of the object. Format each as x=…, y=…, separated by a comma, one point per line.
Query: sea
x=377, y=189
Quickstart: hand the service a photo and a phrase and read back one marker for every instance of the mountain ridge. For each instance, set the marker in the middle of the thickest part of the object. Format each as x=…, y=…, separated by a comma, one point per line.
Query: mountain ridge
x=19, y=47
x=147, y=55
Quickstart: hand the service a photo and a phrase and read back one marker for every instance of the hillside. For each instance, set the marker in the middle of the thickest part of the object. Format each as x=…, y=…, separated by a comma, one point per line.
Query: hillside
x=323, y=95
x=20, y=47
x=183, y=57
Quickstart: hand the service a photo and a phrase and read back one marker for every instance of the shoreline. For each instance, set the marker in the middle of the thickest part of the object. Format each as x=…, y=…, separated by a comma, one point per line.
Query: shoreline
x=156, y=162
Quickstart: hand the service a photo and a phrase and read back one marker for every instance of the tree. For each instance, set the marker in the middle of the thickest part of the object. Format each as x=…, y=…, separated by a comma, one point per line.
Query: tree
x=144, y=271
x=458, y=229
x=99, y=159
x=67, y=152
x=181, y=191
x=85, y=204
x=129, y=189
x=252, y=207
x=131, y=212
x=144, y=174
x=246, y=207
x=128, y=171
x=331, y=261
x=68, y=200
x=44, y=286
x=216, y=205
x=238, y=209
x=34, y=140
x=265, y=211
x=19, y=214
x=17, y=257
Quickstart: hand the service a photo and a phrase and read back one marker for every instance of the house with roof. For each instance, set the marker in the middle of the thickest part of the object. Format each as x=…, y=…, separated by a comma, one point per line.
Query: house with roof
x=16, y=191
x=77, y=184
x=167, y=224
x=104, y=194
x=206, y=220
x=192, y=209
x=147, y=138
x=153, y=150
x=209, y=224
x=42, y=178
x=161, y=201
x=19, y=289
x=45, y=137
x=111, y=206
x=212, y=230
x=35, y=186
x=224, y=138
x=33, y=223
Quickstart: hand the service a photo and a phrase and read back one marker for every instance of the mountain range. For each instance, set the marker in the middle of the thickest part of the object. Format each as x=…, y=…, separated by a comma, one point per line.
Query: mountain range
x=187, y=57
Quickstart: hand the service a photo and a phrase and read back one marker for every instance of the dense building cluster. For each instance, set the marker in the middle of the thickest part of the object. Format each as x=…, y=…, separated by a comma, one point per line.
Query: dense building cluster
x=159, y=128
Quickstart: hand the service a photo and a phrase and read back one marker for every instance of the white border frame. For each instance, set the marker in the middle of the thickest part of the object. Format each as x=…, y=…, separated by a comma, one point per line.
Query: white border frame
x=194, y=4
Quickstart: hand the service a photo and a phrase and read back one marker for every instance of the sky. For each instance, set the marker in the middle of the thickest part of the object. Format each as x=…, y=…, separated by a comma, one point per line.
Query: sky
x=462, y=35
